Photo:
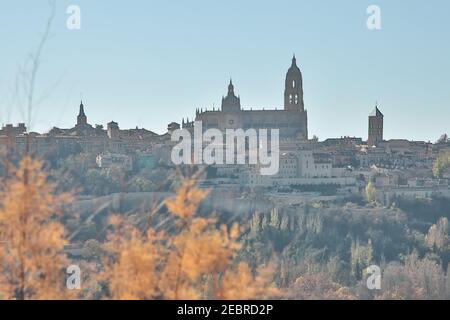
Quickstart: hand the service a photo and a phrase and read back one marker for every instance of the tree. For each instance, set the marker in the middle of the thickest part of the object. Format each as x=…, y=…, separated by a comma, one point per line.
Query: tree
x=441, y=164
x=370, y=192
x=31, y=238
x=415, y=278
x=443, y=138
x=194, y=261
x=437, y=236
x=103, y=181
x=361, y=258
x=318, y=286
x=140, y=184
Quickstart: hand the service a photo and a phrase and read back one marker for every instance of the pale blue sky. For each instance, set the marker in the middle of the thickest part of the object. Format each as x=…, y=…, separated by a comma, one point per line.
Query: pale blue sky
x=147, y=63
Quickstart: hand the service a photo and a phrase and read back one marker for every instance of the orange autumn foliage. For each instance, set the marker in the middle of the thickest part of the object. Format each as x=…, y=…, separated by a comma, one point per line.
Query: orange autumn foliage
x=31, y=240
x=318, y=286
x=132, y=275
x=194, y=262
x=239, y=283
x=186, y=200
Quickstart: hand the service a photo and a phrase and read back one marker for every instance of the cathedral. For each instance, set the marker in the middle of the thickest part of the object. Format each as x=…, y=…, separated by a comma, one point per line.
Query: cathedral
x=292, y=121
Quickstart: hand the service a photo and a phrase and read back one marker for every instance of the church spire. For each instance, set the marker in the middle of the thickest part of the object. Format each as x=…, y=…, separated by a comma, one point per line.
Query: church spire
x=81, y=118
x=294, y=60
x=81, y=113
x=231, y=87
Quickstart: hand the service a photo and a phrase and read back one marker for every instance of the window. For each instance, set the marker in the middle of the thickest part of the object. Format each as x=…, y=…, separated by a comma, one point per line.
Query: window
x=293, y=83
x=296, y=99
x=290, y=99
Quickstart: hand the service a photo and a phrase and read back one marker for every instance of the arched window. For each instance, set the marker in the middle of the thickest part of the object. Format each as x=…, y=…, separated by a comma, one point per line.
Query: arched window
x=290, y=99
x=293, y=83
x=296, y=99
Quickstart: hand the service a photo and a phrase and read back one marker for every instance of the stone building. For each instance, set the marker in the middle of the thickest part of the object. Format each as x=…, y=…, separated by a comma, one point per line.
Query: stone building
x=113, y=160
x=292, y=121
x=82, y=137
x=301, y=167
x=11, y=131
x=375, y=127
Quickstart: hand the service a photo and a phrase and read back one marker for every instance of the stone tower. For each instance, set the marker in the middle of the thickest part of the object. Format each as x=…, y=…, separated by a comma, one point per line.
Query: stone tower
x=293, y=90
x=375, y=127
x=113, y=130
x=81, y=118
x=231, y=103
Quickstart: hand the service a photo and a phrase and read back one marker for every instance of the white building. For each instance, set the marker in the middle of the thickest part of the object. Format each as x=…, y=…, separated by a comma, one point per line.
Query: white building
x=298, y=168
x=109, y=160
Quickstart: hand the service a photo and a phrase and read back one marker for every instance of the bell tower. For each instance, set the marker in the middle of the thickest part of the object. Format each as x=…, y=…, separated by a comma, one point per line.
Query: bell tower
x=293, y=90
x=376, y=119
x=231, y=103
x=81, y=118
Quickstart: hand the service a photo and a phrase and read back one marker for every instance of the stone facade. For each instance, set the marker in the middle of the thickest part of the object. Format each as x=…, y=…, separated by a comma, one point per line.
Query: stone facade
x=299, y=167
x=11, y=131
x=292, y=121
x=375, y=127
x=83, y=137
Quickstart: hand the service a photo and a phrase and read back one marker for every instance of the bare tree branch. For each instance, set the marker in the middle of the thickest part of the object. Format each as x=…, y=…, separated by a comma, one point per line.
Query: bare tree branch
x=27, y=75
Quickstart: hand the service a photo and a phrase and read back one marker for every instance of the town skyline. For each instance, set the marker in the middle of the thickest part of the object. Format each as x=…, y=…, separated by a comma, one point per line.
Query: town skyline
x=346, y=72
x=232, y=150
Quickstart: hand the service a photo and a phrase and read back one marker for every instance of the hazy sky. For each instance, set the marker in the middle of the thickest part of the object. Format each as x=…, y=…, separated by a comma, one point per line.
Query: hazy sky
x=147, y=63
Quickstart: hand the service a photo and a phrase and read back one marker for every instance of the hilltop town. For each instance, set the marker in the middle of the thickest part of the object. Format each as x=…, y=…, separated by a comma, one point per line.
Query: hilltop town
x=308, y=168
x=333, y=209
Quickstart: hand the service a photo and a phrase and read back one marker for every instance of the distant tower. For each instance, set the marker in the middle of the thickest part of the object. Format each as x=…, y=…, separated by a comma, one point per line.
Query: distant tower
x=231, y=103
x=81, y=118
x=172, y=127
x=293, y=91
x=113, y=130
x=375, y=127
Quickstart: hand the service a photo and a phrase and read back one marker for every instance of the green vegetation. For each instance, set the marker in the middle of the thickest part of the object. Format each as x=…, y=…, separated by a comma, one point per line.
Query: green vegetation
x=338, y=243
x=80, y=173
x=441, y=164
x=370, y=192
x=319, y=250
